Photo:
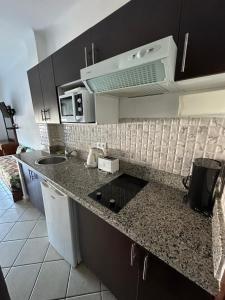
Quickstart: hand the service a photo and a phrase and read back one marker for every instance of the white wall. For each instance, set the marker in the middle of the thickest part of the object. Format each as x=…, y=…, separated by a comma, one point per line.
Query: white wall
x=83, y=15
x=158, y=106
x=37, y=46
x=198, y=104
x=2, y=126
x=15, y=92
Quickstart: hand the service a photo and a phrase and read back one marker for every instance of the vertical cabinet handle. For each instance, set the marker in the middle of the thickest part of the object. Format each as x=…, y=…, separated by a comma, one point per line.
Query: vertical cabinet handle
x=85, y=56
x=132, y=254
x=93, y=53
x=47, y=111
x=42, y=115
x=145, y=268
x=186, y=39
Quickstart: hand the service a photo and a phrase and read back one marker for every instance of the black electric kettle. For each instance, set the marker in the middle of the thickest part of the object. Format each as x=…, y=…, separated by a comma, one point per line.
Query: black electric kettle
x=201, y=184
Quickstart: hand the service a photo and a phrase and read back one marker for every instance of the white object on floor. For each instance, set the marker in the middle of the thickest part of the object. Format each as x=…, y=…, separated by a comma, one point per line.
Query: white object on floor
x=61, y=222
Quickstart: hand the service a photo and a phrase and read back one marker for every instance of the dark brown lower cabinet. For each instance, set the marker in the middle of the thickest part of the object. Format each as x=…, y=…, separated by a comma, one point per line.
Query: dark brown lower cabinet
x=33, y=185
x=106, y=252
x=127, y=269
x=159, y=281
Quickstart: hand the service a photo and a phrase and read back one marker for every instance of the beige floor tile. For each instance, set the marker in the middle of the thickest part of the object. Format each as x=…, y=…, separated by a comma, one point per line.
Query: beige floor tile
x=11, y=215
x=40, y=230
x=107, y=295
x=21, y=230
x=96, y=296
x=52, y=281
x=82, y=281
x=9, y=251
x=33, y=251
x=30, y=214
x=4, y=229
x=20, y=281
x=52, y=254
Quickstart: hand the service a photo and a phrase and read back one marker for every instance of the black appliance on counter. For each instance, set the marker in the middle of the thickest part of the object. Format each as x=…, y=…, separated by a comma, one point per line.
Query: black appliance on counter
x=201, y=185
x=118, y=192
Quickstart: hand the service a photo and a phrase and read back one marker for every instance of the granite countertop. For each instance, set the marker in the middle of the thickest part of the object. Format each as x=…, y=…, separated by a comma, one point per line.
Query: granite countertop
x=156, y=218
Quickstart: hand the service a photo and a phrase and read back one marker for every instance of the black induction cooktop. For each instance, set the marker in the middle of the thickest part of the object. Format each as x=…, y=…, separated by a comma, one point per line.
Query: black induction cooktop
x=118, y=192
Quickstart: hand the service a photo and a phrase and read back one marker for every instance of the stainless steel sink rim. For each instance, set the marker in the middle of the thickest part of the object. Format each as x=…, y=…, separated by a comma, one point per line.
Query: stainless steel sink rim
x=51, y=160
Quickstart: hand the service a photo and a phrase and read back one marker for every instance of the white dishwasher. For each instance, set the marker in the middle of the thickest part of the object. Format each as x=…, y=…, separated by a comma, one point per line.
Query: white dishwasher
x=62, y=225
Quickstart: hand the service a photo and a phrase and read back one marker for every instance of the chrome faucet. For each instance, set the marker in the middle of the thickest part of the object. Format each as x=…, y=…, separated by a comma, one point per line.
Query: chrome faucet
x=67, y=152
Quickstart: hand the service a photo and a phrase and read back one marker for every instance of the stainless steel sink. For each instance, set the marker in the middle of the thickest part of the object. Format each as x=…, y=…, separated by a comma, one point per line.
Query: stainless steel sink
x=51, y=160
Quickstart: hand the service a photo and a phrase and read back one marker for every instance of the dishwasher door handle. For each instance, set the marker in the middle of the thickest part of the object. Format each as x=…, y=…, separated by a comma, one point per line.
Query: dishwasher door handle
x=49, y=186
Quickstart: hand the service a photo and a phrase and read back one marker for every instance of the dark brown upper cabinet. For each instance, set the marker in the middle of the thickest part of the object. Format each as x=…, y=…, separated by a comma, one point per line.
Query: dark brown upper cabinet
x=137, y=23
x=49, y=91
x=43, y=92
x=68, y=60
x=201, y=45
x=36, y=94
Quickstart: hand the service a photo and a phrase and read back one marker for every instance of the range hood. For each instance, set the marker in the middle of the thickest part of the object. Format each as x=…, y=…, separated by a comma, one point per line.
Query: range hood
x=147, y=70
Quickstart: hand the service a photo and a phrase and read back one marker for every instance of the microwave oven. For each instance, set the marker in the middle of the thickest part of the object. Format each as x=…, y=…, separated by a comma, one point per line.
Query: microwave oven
x=77, y=106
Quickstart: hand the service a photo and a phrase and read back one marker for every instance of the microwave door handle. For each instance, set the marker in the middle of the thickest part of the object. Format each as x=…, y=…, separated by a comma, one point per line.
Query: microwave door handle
x=74, y=107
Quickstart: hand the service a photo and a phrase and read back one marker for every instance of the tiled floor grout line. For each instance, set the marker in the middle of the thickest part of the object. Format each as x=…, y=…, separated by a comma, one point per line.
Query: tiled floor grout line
x=16, y=258
x=41, y=263
x=36, y=263
x=12, y=228
x=67, y=286
x=18, y=217
x=2, y=240
x=20, y=249
x=36, y=237
x=35, y=281
x=39, y=272
x=26, y=264
x=80, y=295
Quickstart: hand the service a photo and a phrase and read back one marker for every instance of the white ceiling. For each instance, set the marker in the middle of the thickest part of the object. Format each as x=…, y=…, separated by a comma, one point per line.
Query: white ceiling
x=37, y=14
x=17, y=17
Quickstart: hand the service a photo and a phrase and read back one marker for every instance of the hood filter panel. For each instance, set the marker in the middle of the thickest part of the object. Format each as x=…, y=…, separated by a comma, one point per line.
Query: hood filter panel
x=136, y=76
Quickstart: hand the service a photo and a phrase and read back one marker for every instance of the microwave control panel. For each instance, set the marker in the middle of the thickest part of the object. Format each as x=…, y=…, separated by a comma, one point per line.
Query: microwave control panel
x=79, y=105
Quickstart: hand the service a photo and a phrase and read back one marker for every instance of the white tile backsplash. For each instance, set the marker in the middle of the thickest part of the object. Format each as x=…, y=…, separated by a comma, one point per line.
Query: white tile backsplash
x=165, y=144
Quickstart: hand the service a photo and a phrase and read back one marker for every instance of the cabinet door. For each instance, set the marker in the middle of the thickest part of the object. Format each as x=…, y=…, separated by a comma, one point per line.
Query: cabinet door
x=33, y=185
x=49, y=91
x=68, y=60
x=36, y=94
x=106, y=252
x=135, y=24
x=160, y=281
x=202, y=23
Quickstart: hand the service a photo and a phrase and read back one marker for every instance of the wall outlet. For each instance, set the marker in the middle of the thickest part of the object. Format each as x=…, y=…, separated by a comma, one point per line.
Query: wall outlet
x=101, y=145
